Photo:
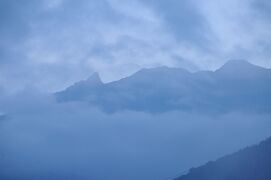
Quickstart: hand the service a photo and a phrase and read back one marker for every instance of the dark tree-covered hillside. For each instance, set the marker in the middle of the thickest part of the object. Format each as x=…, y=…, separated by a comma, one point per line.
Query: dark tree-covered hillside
x=252, y=163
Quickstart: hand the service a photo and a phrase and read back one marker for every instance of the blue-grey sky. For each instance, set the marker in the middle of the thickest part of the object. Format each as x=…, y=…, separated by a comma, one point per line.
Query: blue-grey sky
x=49, y=44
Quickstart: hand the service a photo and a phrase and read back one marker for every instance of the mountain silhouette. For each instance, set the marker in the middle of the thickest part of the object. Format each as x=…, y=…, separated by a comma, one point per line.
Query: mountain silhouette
x=242, y=69
x=252, y=163
x=237, y=85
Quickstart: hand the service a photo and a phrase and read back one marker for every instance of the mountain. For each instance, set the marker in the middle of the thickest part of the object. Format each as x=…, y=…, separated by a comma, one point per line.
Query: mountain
x=81, y=91
x=237, y=85
x=252, y=163
x=242, y=69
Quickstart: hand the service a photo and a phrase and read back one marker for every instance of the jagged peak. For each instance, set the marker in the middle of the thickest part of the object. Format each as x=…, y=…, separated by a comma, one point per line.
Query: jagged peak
x=94, y=79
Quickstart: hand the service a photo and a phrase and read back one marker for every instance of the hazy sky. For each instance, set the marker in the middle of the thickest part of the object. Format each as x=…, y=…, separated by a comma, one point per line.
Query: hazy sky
x=49, y=44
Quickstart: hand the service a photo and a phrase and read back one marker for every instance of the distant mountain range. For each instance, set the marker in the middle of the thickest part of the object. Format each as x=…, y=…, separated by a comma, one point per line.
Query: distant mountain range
x=237, y=85
x=252, y=163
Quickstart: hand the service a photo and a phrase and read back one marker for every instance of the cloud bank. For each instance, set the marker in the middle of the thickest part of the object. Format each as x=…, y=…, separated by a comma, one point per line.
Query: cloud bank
x=50, y=44
x=42, y=139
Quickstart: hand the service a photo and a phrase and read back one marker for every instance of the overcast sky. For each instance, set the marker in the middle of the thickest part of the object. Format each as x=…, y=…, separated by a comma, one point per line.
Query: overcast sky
x=49, y=44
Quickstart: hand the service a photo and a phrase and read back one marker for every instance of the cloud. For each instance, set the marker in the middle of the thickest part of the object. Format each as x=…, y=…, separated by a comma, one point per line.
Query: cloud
x=238, y=29
x=50, y=44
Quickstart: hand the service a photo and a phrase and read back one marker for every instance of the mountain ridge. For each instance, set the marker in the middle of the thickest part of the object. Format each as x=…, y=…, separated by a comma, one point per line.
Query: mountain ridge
x=167, y=89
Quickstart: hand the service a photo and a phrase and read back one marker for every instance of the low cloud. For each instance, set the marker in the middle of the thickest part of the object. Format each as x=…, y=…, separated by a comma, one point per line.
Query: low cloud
x=43, y=139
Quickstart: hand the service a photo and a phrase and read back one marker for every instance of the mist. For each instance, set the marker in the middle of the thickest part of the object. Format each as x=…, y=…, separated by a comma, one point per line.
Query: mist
x=43, y=139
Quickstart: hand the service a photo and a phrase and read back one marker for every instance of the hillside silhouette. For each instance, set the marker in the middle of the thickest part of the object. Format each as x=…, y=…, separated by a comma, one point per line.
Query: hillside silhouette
x=252, y=163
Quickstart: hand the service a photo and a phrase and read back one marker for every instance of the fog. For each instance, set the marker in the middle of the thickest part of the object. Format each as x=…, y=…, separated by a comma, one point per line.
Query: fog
x=43, y=139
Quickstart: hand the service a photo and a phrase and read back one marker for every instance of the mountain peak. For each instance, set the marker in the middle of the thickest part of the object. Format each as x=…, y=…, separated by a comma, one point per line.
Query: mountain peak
x=237, y=63
x=240, y=68
x=94, y=79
